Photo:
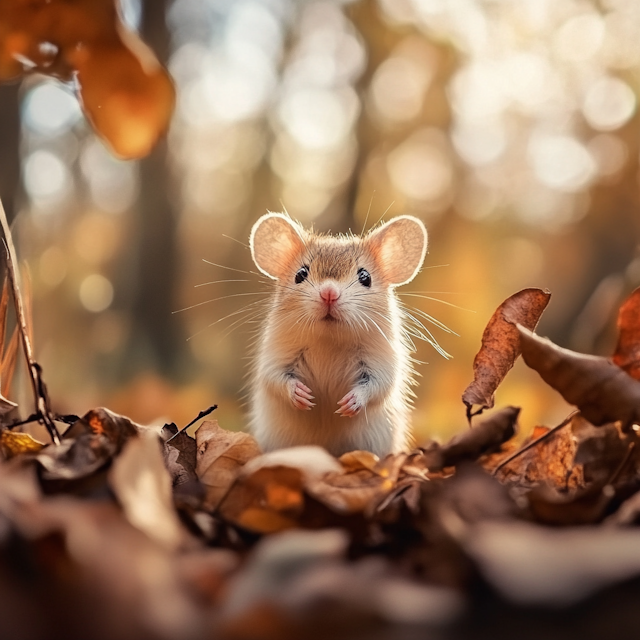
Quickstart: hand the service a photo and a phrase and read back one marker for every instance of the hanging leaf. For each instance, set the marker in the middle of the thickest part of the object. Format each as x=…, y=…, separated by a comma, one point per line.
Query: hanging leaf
x=501, y=345
x=126, y=94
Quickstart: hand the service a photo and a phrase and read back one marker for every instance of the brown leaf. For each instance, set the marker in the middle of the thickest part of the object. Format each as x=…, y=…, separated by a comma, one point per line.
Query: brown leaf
x=481, y=438
x=89, y=444
x=501, y=345
x=301, y=572
x=116, y=428
x=220, y=456
x=627, y=354
x=551, y=462
x=268, y=500
x=126, y=94
x=628, y=513
x=180, y=456
x=268, y=495
x=142, y=485
x=357, y=487
x=14, y=443
x=76, y=457
x=600, y=389
x=551, y=506
x=534, y=565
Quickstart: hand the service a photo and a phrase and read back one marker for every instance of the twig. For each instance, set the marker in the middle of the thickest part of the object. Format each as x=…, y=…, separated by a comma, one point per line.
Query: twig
x=623, y=464
x=35, y=371
x=202, y=414
x=535, y=442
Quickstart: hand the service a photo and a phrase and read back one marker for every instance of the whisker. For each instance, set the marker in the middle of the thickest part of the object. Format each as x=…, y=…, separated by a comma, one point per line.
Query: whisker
x=215, y=264
x=246, y=246
x=232, y=295
x=383, y=215
x=449, y=304
x=204, y=284
x=245, y=309
x=364, y=226
x=430, y=319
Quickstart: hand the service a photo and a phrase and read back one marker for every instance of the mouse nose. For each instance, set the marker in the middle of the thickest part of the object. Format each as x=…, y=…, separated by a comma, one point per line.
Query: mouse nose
x=329, y=293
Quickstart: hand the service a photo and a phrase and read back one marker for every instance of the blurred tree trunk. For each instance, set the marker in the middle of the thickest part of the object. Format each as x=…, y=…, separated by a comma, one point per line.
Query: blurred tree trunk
x=10, y=141
x=156, y=337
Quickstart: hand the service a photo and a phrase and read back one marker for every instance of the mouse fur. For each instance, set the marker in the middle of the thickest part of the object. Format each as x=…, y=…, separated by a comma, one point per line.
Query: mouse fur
x=333, y=365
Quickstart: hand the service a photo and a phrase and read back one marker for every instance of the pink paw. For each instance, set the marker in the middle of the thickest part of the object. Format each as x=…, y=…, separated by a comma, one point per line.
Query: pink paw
x=351, y=404
x=300, y=395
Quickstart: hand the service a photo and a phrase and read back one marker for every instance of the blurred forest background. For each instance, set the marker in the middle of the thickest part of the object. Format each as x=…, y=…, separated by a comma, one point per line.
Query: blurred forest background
x=509, y=127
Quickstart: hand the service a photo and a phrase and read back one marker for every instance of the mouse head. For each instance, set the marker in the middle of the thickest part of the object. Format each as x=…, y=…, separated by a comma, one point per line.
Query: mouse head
x=335, y=273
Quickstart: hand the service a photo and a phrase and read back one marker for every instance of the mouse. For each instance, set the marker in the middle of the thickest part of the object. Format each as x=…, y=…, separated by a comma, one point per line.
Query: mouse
x=332, y=365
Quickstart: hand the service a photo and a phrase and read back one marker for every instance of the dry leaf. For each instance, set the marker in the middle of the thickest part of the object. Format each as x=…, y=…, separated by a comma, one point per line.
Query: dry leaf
x=142, y=485
x=220, y=456
x=551, y=462
x=501, y=345
x=89, y=444
x=268, y=500
x=116, y=428
x=180, y=457
x=627, y=354
x=600, y=389
x=481, y=438
x=532, y=565
x=312, y=461
x=356, y=487
x=14, y=443
x=125, y=93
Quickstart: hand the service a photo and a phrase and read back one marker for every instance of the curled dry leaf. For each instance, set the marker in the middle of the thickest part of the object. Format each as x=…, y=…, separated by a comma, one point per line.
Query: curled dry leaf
x=501, y=345
x=125, y=93
x=481, y=438
x=142, y=485
x=627, y=354
x=220, y=456
x=13, y=443
x=600, y=389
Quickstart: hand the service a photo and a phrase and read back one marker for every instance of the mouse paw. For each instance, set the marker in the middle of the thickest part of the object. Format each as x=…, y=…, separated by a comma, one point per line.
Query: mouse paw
x=351, y=404
x=300, y=395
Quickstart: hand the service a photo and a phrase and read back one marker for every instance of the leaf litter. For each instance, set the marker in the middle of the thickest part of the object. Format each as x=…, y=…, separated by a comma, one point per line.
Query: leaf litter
x=121, y=530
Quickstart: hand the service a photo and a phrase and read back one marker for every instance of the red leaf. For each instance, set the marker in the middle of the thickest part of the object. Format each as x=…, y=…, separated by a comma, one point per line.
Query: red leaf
x=627, y=354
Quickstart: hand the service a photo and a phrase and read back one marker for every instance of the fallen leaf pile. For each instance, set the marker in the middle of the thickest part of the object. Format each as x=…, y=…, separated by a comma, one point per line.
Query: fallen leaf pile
x=123, y=531
x=125, y=93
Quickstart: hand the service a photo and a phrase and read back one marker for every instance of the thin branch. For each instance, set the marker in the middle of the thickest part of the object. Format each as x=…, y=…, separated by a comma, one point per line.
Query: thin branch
x=202, y=414
x=35, y=372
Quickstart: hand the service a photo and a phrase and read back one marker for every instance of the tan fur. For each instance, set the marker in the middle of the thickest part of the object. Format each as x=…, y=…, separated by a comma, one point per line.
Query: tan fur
x=360, y=350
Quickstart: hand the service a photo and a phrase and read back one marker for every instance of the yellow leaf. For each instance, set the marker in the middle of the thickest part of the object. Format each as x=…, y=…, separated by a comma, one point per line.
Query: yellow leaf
x=14, y=443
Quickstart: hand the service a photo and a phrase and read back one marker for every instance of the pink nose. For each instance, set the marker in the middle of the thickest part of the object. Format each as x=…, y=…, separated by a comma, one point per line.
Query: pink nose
x=329, y=294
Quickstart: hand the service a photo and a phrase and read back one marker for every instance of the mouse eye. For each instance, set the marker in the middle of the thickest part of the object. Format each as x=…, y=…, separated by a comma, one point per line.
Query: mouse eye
x=302, y=274
x=364, y=277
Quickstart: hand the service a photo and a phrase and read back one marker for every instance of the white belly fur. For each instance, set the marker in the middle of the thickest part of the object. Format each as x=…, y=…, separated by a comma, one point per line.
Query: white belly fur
x=330, y=370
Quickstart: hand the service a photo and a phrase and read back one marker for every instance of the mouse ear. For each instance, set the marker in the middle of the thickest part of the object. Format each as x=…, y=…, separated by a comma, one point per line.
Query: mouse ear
x=400, y=246
x=274, y=240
